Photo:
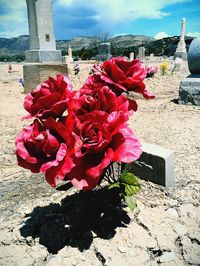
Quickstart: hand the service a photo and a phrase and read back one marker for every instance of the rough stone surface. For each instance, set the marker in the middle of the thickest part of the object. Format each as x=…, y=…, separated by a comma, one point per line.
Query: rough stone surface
x=194, y=57
x=43, y=56
x=156, y=164
x=189, y=91
x=36, y=73
x=167, y=256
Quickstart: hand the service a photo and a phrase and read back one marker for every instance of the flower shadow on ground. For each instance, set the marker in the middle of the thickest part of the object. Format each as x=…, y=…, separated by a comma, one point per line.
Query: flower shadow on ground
x=77, y=220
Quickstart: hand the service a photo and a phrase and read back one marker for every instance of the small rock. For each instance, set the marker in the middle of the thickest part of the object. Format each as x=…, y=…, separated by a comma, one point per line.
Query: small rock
x=172, y=212
x=167, y=256
x=180, y=229
x=121, y=249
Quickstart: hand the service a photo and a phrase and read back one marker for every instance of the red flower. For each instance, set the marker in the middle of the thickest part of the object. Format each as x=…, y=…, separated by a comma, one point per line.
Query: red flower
x=100, y=138
x=125, y=75
x=96, y=95
x=38, y=150
x=49, y=98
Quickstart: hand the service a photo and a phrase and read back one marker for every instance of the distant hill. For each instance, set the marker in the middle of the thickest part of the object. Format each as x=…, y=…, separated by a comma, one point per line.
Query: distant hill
x=121, y=45
x=130, y=40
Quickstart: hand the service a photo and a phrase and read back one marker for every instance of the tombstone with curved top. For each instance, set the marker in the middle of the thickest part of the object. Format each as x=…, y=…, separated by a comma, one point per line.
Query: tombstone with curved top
x=189, y=91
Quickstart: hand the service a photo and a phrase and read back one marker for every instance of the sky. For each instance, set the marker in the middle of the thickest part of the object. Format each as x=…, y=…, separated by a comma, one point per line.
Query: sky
x=155, y=18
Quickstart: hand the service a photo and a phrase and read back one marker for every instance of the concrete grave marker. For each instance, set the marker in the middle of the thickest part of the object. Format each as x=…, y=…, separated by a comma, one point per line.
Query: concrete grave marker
x=104, y=51
x=141, y=53
x=44, y=60
x=181, y=48
x=156, y=164
x=189, y=90
x=131, y=58
x=41, y=30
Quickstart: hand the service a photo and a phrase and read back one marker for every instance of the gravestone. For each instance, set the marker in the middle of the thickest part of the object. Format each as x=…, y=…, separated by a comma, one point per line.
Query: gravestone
x=141, y=53
x=131, y=58
x=70, y=54
x=43, y=58
x=104, y=51
x=181, y=48
x=151, y=57
x=189, y=91
x=41, y=30
x=156, y=164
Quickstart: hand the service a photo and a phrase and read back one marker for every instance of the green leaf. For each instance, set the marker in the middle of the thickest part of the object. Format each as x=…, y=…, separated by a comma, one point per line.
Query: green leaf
x=129, y=178
x=116, y=184
x=131, y=203
x=130, y=184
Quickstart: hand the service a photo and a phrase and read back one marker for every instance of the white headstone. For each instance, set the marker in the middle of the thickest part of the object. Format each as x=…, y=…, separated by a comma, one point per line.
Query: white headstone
x=131, y=56
x=70, y=57
x=181, y=48
x=41, y=31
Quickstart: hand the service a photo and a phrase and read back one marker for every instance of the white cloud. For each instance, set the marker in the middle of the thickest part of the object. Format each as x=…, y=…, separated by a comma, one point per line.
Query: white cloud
x=13, y=19
x=161, y=35
x=117, y=11
x=107, y=13
x=193, y=34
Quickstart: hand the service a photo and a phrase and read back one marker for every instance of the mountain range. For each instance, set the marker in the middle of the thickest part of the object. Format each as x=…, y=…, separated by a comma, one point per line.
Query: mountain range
x=18, y=45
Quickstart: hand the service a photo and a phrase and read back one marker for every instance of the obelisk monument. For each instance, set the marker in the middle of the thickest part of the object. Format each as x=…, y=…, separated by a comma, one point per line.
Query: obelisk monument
x=181, y=48
x=43, y=60
x=41, y=31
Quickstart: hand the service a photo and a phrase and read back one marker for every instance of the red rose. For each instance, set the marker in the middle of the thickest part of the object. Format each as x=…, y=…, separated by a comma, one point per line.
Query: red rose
x=49, y=98
x=100, y=138
x=125, y=75
x=38, y=150
x=97, y=96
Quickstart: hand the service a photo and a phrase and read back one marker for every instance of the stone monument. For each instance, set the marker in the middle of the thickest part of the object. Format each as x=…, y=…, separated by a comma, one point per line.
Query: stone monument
x=41, y=30
x=141, y=53
x=43, y=60
x=104, y=51
x=189, y=91
x=131, y=56
x=181, y=48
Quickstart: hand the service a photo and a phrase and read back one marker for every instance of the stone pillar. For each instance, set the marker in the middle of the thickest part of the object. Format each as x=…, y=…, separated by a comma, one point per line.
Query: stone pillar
x=41, y=31
x=131, y=56
x=44, y=60
x=189, y=90
x=181, y=48
x=141, y=53
x=70, y=57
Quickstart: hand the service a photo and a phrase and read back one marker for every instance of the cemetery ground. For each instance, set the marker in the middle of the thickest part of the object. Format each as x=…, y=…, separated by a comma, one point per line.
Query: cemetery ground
x=40, y=225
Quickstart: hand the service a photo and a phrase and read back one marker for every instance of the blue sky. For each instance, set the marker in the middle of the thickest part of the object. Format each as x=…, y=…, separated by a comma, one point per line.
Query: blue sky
x=117, y=17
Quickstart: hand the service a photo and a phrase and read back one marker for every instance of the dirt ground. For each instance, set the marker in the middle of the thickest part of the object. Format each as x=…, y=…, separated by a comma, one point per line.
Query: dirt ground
x=40, y=225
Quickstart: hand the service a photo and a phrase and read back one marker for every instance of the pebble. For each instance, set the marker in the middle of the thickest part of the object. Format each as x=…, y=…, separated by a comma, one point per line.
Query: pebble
x=172, y=212
x=167, y=256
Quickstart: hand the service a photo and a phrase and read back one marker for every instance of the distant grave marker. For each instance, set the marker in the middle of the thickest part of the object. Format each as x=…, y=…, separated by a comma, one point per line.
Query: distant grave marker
x=131, y=56
x=104, y=51
x=141, y=53
x=181, y=48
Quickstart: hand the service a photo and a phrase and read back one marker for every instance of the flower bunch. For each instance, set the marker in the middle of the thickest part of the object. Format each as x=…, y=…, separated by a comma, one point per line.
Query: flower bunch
x=78, y=135
x=164, y=67
x=151, y=70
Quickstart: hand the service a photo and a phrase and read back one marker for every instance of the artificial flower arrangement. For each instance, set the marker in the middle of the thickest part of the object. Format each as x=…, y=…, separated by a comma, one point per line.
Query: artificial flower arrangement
x=164, y=68
x=79, y=135
x=151, y=70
